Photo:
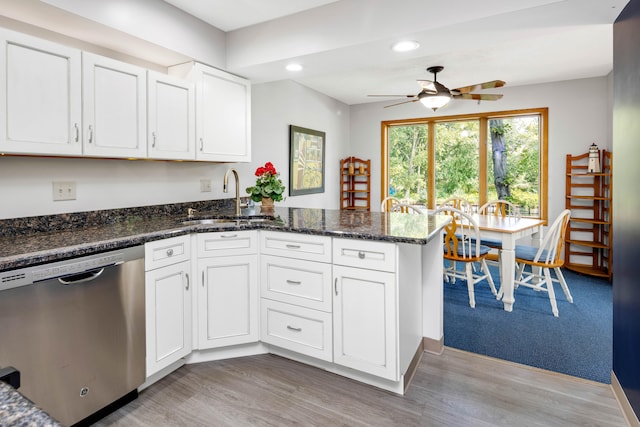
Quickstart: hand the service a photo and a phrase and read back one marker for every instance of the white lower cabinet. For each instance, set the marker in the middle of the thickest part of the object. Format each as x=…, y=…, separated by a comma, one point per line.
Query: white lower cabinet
x=295, y=281
x=167, y=302
x=227, y=289
x=365, y=307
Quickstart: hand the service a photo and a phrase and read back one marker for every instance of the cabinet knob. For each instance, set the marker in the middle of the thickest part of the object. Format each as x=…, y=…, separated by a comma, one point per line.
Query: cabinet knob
x=169, y=252
x=361, y=255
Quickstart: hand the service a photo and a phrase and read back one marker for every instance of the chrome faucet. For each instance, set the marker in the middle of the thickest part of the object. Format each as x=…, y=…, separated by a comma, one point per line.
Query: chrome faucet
x=226, y=189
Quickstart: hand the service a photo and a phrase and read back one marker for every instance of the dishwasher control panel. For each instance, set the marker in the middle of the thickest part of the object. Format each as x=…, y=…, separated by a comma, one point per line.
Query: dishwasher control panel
x=29, y=275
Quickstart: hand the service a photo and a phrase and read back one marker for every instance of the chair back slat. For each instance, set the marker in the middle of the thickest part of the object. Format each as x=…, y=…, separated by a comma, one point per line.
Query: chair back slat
x=457, y=203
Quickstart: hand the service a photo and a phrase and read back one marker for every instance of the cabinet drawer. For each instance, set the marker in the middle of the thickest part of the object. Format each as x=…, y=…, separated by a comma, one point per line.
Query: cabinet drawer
x=227, y=243
x=365, y=254
x=297, y=329
x=304, y=283
x=166, y=252
x=294, y=245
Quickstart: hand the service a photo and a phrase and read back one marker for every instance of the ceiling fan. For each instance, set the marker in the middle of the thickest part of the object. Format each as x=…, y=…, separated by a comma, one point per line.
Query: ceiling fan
x=435, y=95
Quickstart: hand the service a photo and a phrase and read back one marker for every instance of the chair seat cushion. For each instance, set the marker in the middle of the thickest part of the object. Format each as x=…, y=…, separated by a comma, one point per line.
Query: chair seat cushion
x=483, y=250
x=529, y=252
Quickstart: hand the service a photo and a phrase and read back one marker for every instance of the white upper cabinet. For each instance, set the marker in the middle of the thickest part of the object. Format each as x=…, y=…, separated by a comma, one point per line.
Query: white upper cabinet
x=223, y=113
x=114, y=108
x=171, y=119
x=40, y=96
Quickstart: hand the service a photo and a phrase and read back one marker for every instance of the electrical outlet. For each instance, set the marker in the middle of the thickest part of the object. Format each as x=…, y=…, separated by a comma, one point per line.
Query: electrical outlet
x=205, y=186
x=64, y=190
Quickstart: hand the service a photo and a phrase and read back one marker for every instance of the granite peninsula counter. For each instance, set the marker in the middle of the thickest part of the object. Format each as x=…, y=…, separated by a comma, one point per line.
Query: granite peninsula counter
x=37, y=240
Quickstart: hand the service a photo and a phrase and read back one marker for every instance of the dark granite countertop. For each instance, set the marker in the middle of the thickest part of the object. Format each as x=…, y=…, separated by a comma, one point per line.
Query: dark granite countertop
x=135, y=227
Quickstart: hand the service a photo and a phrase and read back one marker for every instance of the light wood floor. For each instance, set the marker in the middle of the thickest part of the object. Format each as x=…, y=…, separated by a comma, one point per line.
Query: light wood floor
x=454, y=389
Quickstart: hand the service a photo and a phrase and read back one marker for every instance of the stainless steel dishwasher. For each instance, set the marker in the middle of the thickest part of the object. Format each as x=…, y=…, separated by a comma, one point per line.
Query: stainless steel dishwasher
x=75, y=330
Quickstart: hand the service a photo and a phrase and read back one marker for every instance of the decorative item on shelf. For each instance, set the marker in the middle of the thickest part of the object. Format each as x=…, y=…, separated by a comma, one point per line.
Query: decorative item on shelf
x=361, y=169
x=594, y=159
x=352, y=169
x=268, y=187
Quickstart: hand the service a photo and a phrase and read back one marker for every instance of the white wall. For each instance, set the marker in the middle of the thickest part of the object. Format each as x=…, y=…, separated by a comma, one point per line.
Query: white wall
x=277, y=105
x=579, y=114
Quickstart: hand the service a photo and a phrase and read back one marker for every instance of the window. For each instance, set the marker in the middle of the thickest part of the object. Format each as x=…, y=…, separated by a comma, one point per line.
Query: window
x=480, y=158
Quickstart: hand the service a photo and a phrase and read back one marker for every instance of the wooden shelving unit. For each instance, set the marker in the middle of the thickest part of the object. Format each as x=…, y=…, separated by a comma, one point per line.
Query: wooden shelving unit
x=355, y=183
x=589, y=234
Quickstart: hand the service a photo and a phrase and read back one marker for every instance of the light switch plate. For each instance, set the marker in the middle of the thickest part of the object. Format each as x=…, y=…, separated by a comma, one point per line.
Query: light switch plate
x=64, y=190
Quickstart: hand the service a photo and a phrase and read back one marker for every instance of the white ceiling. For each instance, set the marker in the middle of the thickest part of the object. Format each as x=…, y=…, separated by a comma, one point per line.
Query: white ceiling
x=344, y=45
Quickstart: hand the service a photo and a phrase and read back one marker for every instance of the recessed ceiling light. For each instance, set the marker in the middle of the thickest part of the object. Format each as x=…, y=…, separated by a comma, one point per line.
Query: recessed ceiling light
x=294, y=67
x=405, y=46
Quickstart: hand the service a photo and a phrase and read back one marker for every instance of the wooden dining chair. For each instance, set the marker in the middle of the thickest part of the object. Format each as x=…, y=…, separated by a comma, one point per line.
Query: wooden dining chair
x=387, y=204
x=548, y=257
x=501, y=208
x=457, y=203
x=462, y=244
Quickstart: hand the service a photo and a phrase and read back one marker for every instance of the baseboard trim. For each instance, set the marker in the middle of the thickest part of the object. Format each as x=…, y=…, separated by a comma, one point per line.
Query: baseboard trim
x=433, y=346
x=625, y=406
x=413, y=366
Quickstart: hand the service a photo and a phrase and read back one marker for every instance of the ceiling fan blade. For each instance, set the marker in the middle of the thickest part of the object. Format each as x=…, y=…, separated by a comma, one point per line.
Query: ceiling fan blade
x=403, y=102
x=479, y=96
x=427, y=85
x=479, y=86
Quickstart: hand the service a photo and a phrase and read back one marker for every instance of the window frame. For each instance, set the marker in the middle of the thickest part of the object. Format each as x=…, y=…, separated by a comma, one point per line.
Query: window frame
x=483, y=144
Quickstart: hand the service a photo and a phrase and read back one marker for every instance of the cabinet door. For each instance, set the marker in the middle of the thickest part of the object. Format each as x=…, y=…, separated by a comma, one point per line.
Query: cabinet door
x=40, y=90
x=223, y=108
x=168, y=315
x=365, y=321
x=227, y=301
x=114, y=108
x=170, y=118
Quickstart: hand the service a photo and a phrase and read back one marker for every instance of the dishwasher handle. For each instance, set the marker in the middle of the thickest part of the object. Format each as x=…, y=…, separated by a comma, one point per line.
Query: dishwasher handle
x=85, y=276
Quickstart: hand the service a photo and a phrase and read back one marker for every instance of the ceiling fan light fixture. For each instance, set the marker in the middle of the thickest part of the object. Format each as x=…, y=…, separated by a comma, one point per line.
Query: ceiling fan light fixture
x=405, y=46
x=435, y=101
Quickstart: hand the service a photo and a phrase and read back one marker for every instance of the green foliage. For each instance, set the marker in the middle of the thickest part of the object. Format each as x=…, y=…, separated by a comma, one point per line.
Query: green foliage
x=268, y=184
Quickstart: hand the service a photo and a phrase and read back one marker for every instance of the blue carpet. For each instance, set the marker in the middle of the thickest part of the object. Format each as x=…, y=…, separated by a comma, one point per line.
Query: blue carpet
x=577, y=343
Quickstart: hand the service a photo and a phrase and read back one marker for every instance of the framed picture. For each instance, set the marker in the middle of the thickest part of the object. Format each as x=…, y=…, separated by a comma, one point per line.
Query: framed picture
x=306, y=164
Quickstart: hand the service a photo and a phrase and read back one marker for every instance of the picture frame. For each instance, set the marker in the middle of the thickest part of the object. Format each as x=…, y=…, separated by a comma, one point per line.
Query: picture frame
x=306, y=161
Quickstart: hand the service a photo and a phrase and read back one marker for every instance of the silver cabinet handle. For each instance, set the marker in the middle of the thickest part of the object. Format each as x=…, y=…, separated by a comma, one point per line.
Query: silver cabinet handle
x=201, y=144
x=335, y=285
x=90, y=134
x=203, y=278
x=291, y=328
x=75, y=125
x=361, y=255
x=169, y=252
x=294, y=282
x=228, y=236
x=153, y=144
x=186, y=275
x=291, y=246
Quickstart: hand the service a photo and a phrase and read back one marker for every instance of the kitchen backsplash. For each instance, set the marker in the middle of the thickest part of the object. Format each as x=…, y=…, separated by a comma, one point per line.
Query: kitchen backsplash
x=68, y=221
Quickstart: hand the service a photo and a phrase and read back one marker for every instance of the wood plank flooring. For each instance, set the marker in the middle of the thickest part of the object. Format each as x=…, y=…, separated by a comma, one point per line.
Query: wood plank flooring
x=454, y=389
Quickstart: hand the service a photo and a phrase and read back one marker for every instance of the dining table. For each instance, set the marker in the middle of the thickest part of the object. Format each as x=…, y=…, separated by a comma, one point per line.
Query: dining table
x=508, y=230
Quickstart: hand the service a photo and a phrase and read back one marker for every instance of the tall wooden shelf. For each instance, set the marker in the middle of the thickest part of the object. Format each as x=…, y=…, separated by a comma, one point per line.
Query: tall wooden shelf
x=355, y=184
x=589, y=234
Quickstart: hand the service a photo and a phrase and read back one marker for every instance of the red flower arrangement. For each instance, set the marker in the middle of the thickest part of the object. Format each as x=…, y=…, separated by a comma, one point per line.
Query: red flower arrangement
x=268, y=185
